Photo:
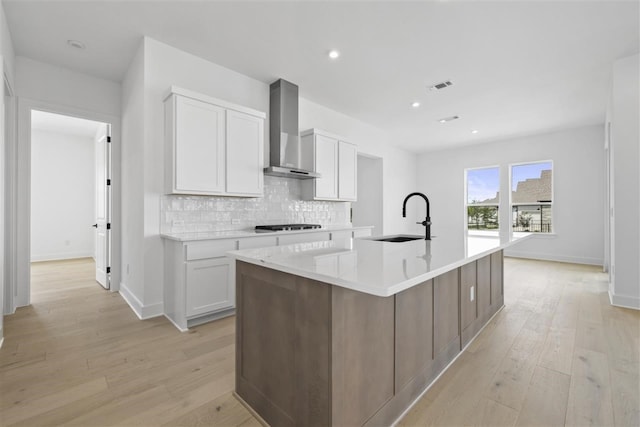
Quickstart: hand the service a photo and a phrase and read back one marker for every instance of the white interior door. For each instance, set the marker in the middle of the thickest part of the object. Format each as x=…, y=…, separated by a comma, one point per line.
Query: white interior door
x=103, y=206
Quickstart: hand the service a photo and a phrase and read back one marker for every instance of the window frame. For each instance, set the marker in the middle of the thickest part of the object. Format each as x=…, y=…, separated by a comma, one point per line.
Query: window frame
x=466, y=197
x=551, y=204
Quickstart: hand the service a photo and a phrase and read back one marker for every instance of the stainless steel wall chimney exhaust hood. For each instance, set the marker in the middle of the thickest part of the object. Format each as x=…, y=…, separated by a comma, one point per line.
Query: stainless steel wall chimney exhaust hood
x=284, y=139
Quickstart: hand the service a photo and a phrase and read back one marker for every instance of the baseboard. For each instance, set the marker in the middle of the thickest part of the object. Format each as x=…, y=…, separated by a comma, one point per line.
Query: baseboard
x=142, y=311
x=180, y=328
x=624, y=301
x=62, y=256
x=551, y=257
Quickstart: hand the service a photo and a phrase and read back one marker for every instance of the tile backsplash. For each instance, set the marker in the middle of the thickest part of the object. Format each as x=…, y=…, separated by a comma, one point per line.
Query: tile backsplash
x=281, y=204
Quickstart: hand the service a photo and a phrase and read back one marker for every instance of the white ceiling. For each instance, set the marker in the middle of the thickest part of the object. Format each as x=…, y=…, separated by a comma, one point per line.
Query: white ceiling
x=518, y=67
x=64, y=124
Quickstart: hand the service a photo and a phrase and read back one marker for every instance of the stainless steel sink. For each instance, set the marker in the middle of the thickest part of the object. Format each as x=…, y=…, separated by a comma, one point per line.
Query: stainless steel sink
x=397, y=239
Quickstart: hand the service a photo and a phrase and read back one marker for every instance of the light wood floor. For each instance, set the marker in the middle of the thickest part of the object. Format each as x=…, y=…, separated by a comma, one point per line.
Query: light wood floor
x=557, y=354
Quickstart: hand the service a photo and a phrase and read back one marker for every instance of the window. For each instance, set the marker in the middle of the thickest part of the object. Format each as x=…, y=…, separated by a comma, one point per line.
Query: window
x=532, y=197
x=483, y=199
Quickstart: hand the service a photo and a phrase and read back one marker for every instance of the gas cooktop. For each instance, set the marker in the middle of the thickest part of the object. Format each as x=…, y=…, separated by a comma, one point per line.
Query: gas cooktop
x=286, y=227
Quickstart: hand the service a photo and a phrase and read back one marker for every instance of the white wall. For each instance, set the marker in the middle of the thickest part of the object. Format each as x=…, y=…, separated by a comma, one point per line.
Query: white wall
x=577, y=157
x=625, y=138
x=62, y=196
x=398, y=166
x=369, y=207
x=163, y=66
x=7, y=58
x=132, y=282
x=61, y=86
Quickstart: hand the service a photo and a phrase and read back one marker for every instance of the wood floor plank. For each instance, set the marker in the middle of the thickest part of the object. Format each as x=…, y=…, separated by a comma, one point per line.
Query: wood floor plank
x=27, y=408
x=510, y=384
x=545, y=403
x=591, y=336
x=557, y=353
x=625, y=389
x=492, y=414
x=590, y=392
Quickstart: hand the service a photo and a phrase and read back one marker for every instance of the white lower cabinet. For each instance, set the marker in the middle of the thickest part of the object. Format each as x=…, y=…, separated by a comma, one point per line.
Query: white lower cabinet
x=200, y=280
x=210, y=286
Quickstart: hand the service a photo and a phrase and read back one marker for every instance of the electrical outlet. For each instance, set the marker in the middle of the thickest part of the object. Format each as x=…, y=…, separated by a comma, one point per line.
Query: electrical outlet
x=472, y=293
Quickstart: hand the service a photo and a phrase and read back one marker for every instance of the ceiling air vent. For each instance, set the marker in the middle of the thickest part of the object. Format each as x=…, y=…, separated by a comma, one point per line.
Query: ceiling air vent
x=448, y=119
x=441, y=85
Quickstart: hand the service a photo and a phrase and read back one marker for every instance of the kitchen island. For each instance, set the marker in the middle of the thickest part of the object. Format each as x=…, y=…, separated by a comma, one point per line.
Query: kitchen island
x=352, y=332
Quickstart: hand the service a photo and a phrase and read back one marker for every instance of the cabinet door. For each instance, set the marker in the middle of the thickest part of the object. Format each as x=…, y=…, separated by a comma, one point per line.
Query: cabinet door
x=468, y=301
x=347, y=171
x=199, y=147
x=245, y=146
x=497, y=295
x=484, y=288
x=209, y=286
x=445, y=311
x=326, y=163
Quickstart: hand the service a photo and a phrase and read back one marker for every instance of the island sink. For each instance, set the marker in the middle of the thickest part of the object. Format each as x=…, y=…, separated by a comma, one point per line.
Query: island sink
x=398, y=239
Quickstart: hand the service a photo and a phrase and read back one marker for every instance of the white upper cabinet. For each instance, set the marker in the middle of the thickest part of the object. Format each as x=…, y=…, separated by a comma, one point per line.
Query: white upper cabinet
x=335, y=160
x=347, y=171
x=326, y=164
x=197, y=152
x=245, y=146
x=212, y=147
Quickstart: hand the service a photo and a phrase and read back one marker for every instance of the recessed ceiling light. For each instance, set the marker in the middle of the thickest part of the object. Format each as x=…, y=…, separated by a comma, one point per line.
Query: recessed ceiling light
x=415, y=104
x=474, y=131
x=76, y=43
x=448, y=119
x=334, y=54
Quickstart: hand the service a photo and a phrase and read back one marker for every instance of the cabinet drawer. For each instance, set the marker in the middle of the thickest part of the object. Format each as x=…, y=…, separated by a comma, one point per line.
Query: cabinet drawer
x=341, y=235
x=302, y=238
x=362, y=233
x=210, y=249
x=258, y=242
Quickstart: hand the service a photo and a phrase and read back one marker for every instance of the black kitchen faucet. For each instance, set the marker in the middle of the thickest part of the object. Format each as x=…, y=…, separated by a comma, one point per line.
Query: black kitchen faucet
x=427, y=221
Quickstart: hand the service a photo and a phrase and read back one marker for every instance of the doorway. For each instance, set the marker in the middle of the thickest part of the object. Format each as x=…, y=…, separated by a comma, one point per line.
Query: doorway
x=368, y=209
x=70, y=198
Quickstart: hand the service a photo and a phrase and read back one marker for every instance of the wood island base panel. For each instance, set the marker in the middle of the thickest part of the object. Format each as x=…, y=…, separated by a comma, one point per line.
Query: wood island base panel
x=316, y=354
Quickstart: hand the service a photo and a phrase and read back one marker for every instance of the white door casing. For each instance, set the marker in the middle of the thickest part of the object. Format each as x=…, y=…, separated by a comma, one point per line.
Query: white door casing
x=20, y=195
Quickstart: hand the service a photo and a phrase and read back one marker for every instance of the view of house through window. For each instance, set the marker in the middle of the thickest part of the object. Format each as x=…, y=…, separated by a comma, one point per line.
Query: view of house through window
x=532, y=197
x=483, y=199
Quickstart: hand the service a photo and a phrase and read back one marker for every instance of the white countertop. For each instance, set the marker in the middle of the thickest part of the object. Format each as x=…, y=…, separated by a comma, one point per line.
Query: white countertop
x=373, y=267
x=236, y=234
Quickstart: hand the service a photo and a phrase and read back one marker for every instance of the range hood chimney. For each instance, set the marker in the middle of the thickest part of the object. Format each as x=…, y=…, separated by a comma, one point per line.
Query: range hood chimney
x=284, y=139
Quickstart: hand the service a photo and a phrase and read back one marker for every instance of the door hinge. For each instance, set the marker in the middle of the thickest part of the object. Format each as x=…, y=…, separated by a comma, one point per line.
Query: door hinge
x=108, y=226
x=108, y=139
x=108, y=182
x=108, y=270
